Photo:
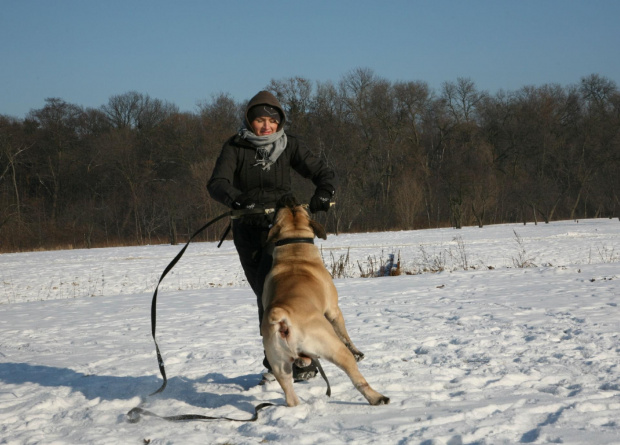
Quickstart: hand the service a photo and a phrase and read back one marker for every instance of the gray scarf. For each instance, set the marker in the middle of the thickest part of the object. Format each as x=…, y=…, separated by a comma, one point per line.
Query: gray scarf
x=268, y=148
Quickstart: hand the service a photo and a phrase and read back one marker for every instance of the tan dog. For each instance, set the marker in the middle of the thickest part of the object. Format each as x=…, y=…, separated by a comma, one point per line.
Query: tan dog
x=302, y=319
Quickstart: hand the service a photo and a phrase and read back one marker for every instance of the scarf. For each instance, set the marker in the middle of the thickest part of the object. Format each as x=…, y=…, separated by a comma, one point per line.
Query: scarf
x=268, y=148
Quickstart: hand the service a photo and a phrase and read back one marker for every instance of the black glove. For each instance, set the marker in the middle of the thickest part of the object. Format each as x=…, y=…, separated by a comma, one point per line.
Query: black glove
x=320, y=201
x=243, y=202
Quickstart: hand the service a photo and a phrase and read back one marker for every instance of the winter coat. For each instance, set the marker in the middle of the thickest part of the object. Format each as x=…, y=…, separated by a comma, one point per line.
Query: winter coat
x=236, y=174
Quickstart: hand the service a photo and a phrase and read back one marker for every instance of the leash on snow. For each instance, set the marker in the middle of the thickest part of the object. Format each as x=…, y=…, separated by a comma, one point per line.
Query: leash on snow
x=133, y=416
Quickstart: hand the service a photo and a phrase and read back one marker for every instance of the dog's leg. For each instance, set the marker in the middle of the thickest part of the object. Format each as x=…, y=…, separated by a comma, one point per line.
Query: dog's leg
x=282, y=369
x=284, y=375
x=326, y=344
x=276, y=334
x=337, y=321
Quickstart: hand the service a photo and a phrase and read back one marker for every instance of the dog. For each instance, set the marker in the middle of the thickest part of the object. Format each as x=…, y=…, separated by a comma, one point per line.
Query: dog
x=302, y=320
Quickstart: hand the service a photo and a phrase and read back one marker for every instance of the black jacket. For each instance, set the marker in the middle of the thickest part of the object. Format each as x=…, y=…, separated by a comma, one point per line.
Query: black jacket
x=235, y=173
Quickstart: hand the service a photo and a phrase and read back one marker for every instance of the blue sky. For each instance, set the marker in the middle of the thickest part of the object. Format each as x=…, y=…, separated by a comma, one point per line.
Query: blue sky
x=85, y=51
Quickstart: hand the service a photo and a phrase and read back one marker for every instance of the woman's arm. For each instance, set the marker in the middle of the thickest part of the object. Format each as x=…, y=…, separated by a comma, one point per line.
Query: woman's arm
x=220, y=185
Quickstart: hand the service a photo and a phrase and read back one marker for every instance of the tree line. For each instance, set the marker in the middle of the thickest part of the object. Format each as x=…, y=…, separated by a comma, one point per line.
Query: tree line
x=134, y=171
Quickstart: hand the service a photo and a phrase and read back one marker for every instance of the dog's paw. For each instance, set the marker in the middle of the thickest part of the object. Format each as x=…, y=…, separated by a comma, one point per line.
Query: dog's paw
x=381, y=401
x=359, y=355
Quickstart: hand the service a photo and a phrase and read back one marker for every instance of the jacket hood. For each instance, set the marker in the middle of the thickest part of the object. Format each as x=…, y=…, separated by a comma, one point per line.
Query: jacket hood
x=265, y=98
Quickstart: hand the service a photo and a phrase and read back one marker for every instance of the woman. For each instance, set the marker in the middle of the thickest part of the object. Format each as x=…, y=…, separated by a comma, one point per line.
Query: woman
x=253, y=170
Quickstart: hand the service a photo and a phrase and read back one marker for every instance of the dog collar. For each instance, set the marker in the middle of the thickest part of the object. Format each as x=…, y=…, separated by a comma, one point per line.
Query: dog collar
x=284, y=242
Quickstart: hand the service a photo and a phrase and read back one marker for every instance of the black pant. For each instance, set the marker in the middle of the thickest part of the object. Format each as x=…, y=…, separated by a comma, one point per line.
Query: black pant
x=250, y=238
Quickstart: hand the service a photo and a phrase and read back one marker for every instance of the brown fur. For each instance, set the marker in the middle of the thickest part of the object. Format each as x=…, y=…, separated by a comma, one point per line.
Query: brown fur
x=302, y=319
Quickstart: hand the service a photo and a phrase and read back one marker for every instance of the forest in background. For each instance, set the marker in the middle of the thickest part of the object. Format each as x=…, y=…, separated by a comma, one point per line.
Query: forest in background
x=134, y=170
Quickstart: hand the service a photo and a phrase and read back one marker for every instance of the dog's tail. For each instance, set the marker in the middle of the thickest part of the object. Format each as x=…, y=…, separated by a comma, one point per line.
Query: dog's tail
x=279, y=321
x=280, y=326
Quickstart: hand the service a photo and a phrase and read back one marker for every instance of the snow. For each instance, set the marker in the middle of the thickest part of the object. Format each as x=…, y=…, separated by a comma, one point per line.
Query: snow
x=513, y=339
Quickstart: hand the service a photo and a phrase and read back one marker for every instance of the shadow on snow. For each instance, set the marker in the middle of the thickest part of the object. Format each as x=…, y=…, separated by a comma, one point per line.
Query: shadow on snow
x=107, y=387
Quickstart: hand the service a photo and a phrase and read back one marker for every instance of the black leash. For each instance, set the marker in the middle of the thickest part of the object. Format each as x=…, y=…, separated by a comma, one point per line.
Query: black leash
x=133, y=416
x=318, y=365
x=168, y=268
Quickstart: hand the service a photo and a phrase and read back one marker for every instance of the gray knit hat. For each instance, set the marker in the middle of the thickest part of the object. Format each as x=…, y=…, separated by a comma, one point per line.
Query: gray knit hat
x=264, y=110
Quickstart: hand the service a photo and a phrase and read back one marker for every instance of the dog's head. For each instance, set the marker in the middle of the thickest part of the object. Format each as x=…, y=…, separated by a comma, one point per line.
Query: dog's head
x=293, y=221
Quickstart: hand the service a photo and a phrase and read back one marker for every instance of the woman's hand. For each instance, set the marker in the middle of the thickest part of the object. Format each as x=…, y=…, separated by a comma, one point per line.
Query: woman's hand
x=320, y=201
x=243, y=202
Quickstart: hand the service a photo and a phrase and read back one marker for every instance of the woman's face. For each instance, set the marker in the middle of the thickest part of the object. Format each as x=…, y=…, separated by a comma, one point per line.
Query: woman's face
x=263, y=126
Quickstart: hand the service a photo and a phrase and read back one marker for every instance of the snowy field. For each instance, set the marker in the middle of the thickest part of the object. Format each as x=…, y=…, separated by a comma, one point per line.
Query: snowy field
x=508, y=334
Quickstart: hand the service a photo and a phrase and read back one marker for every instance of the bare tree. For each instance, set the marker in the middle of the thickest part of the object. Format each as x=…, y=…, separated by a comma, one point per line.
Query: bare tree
x=412, y=102
x=136, y=110
x=295, y=95
x=12, y=146
x=598, y=91
x=57, y=122
x=123, y=110
x=461, y=99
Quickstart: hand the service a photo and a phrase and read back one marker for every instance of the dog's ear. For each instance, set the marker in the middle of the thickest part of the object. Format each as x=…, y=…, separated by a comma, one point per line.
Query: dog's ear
x=273, y=233
x=318, y=229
